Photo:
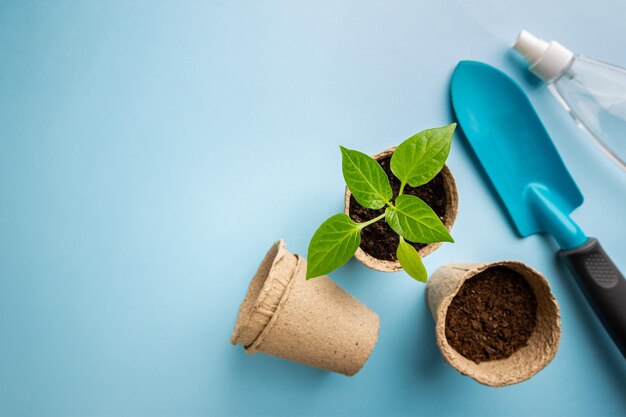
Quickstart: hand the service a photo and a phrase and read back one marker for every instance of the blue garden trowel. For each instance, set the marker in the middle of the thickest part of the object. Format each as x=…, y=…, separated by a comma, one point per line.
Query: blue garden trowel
x=537, y=190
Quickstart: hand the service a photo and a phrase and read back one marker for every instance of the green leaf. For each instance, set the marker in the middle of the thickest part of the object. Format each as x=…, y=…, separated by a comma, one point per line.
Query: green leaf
x=411, y=261
x=332, y=245
x=414, y=220
x=366, y=179
x=419, y=158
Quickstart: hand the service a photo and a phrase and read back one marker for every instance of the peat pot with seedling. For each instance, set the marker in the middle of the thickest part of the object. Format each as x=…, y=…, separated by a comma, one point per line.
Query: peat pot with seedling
x=386, y=191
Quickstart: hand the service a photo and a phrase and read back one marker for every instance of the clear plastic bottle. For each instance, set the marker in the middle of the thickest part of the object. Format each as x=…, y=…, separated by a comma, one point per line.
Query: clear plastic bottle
x=593, y=92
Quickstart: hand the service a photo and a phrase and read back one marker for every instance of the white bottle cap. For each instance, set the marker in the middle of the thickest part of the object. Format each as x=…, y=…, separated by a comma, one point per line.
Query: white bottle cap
x=546, y=59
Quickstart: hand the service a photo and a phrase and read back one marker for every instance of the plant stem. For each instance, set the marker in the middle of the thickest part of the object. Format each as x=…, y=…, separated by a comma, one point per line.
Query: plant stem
x=374, y=220
x=401, y=188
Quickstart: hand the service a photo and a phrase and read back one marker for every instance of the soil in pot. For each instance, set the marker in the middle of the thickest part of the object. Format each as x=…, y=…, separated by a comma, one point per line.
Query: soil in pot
x=492, y=315
x=378, y=239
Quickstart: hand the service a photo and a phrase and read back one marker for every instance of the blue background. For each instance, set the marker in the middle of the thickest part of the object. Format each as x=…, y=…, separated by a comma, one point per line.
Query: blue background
x=150, y=153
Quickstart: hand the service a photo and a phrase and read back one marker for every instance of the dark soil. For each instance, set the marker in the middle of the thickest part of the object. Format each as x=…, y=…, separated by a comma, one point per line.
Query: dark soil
x=492, y=315
x=378, y=239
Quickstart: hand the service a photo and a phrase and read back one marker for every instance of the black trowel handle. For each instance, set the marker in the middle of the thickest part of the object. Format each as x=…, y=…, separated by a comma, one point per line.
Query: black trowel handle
x=603, y=285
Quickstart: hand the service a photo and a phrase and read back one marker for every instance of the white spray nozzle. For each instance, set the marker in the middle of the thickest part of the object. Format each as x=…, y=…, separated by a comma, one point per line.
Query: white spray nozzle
x=530, y=47
x=546, y=59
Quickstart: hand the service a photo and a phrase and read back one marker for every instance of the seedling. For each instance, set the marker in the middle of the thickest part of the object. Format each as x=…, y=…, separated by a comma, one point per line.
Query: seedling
x=415, y=161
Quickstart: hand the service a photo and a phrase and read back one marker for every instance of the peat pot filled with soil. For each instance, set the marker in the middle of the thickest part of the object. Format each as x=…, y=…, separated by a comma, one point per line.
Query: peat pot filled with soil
x=378, y=241
x=495, y=322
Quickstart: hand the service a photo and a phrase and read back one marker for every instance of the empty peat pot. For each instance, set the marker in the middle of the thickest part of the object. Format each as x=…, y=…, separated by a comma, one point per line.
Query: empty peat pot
x=314, y=322
x=502, y=315
x=378, y=241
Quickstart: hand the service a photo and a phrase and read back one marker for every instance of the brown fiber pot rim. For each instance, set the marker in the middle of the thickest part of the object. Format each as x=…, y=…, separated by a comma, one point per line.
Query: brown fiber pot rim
x=452, y=204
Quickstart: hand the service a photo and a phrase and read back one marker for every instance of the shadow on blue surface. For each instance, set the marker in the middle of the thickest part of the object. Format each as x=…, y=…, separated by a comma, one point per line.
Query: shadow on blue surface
x=262, y=366
x=518, y=62
x=427, y=362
